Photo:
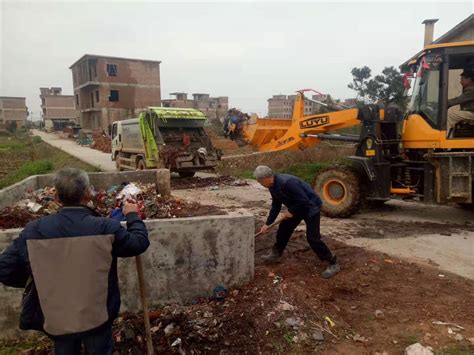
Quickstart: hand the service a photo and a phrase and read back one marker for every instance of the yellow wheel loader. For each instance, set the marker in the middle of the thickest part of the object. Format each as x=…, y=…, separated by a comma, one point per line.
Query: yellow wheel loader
x=398, y=155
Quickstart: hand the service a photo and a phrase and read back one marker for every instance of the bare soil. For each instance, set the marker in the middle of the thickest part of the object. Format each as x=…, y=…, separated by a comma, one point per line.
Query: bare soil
x=377, y=303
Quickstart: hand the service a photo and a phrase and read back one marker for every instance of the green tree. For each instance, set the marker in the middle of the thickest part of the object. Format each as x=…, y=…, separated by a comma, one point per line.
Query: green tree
x=386, y=88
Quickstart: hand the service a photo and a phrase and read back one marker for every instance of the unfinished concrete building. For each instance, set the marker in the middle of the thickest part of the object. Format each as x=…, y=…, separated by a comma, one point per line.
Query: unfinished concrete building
x=13, y=112
x=281, y=106
x=57, y=110
x=212, y=107
x=109, y=89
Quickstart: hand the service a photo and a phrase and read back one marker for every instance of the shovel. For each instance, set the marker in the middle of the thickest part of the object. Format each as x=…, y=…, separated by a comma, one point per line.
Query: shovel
x=277, y=222
x=146, y=318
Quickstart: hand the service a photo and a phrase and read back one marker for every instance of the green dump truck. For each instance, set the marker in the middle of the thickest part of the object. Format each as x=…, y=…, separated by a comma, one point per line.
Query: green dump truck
x=162, y=137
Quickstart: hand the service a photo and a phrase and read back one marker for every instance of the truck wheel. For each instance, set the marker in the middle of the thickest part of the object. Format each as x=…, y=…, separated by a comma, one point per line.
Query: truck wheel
x=117, y=162
x=338, y=187
x=466, y=206
x=185, y=174
x=141, y=164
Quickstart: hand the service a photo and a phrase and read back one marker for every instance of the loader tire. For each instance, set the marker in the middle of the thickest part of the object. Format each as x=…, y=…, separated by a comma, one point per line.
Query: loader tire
x=338, y=187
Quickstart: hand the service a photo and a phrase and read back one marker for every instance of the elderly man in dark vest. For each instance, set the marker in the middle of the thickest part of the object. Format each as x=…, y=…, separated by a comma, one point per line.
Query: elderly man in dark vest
x=303, y=204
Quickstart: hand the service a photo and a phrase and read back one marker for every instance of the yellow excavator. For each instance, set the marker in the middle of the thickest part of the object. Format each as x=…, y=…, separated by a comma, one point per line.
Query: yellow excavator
x=398, y=155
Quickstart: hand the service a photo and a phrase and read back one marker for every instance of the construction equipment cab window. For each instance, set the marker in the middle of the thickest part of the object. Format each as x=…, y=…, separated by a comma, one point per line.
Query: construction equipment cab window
x=444, y=91
x=426, y=92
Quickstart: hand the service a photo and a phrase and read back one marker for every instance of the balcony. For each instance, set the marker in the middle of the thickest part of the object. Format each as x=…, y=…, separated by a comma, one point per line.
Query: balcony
x=89, y=84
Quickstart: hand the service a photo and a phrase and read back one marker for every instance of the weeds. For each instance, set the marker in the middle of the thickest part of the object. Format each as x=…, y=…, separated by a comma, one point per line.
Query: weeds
x=36, y=167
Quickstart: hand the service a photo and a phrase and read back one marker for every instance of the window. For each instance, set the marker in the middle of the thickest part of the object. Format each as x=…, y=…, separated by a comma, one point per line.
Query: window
x=114, y=130
x=112, y=69
x=426, y=93
x=114, y=96
x=97, y=96
x=77, y=99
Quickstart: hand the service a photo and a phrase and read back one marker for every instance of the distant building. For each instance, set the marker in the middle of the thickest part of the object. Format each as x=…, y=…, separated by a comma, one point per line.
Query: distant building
x=57, y=109
x=212, y=107
x=281, y=106
x=352, y=102
x=13, y=110
x=109, y=89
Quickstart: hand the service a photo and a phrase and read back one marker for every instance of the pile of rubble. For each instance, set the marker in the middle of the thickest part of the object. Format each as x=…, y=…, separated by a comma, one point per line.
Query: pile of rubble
x=107, y=203
x=102, y=142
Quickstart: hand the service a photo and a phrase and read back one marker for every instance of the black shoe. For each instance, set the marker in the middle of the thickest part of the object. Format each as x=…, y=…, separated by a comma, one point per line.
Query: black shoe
x=273, y=257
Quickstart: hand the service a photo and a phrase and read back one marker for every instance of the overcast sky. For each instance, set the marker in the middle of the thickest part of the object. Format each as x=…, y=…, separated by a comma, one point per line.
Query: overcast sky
x=247, y=51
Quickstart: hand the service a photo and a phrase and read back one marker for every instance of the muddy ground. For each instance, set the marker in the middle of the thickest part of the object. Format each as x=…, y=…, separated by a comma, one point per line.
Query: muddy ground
x=383, y=300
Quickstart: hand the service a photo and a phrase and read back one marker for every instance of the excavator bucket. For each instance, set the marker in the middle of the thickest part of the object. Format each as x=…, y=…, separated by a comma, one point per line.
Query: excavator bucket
x=272, y=134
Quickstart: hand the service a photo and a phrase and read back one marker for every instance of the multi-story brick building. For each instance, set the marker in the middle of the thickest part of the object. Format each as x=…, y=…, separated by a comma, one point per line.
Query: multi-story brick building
x=13, y=110
x=212, y=107
x=57, y=110
x=109, y=89
x=281, y=106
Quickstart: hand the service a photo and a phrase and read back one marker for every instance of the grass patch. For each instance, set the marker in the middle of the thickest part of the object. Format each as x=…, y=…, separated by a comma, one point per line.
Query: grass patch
x=36, y=167
x=305, y=171
x=5, y=147
x=24, y=156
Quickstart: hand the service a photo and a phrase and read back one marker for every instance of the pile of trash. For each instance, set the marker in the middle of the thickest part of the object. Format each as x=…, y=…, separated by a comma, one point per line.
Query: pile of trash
x=102, y=142
x=107, y=203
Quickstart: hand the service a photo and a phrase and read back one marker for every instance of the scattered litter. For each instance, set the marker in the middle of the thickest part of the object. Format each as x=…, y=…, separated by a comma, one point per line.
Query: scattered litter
x=459, y=337
x=437, y=322
x=418, y=349
x=285, y=306
x=169, y=329
x=277, y=279
x=441, y=275
x=34, y=207
x=220, y=293
x=379, y=313
x=177, y=342
x=330, y=321
x=317, y=335
x=359, y=338
x=294, y=322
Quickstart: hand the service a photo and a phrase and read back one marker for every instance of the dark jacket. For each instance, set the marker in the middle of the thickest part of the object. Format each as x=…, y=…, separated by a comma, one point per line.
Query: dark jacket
x=71, y=257
x=466, y=99
x=295, y=194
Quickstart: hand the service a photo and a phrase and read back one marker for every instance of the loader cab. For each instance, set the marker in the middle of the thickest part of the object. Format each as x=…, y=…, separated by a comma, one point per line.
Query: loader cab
x=437, y=71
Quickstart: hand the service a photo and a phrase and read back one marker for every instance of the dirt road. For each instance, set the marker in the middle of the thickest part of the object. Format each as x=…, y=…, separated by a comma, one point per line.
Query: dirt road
x=440, y=236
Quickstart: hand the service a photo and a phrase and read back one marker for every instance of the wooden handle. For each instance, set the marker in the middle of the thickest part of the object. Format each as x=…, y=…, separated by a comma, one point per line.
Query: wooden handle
x=146, y=317
x=277, y=222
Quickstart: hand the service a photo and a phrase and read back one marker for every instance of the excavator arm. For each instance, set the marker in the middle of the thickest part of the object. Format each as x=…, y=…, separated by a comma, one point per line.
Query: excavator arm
x=299, y=133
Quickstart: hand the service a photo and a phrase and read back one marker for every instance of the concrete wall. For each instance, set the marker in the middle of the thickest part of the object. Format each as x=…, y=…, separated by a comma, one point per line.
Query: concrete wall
x=187, y=258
